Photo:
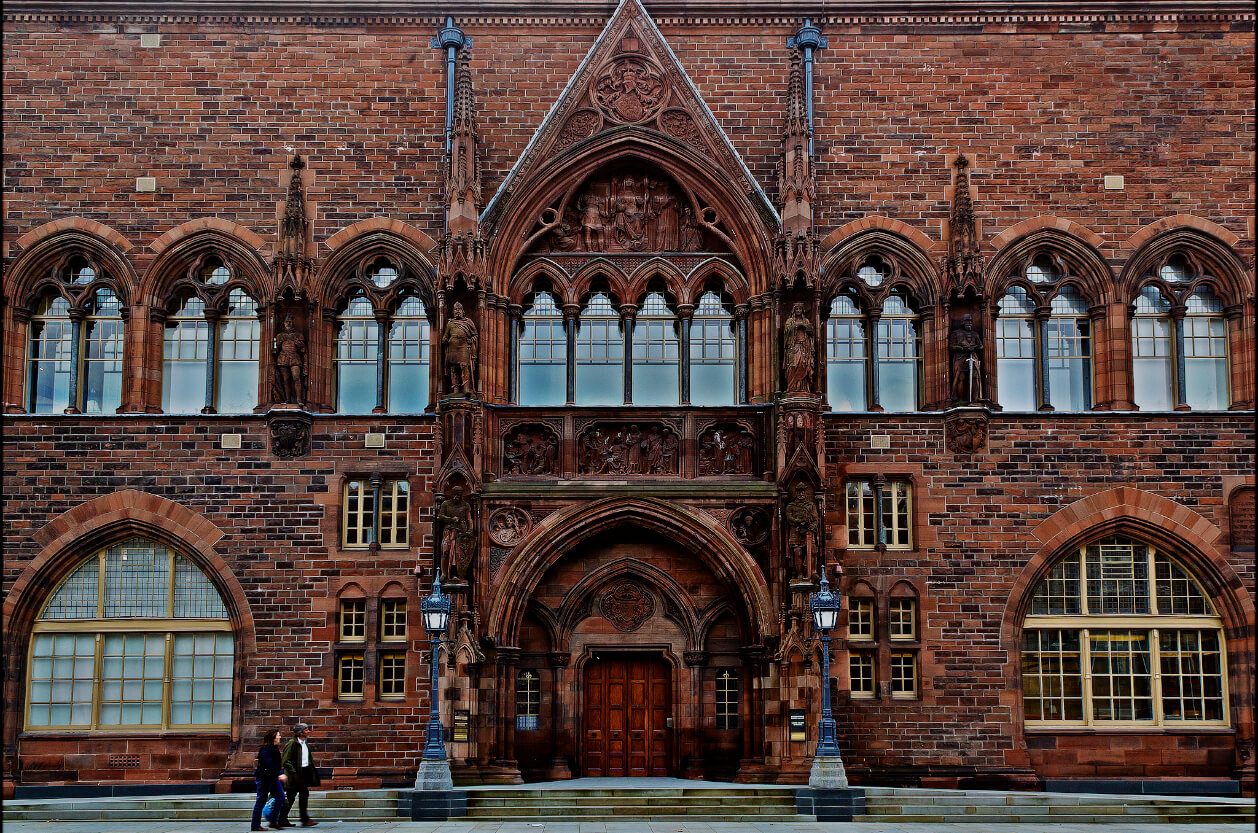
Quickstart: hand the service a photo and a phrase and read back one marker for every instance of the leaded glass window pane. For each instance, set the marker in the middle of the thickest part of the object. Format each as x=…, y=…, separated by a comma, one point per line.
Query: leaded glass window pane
x=238, y=346
x=132, y=668
x=1058, y=594
x=1052, y=682
x=1118, y=577
x=77, y=596
x=543, y=354
x=846, y=360
x=392, y=675
x=51, y=349
x=898, y=346
x=861, y=670
x=1177, y=592
x=1205, y=352
x=713, y=353
x=528, y=700
x=102, y=355
x=860, y=514
x=600, y=354
x=1122, y=681
x=357, y=346
x=195, y=595
x=727, y=699
x=1068, y=343
x=656, y=354
x=137, y=580
x=202, y=666
x=395, y=507
x=62, y=674
x=1192, y=675
x=409, y=346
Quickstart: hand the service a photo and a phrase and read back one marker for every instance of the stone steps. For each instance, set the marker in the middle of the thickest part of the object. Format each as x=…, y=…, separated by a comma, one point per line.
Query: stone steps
x=608, y=804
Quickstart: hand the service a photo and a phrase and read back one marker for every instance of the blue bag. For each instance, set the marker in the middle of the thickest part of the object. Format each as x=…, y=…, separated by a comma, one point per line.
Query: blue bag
x=270, y=810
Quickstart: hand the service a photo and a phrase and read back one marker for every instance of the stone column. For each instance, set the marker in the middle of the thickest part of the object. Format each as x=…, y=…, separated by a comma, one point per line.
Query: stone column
x=692, y=734
x=685, y=318
x=1041, y=356
x=559, y=716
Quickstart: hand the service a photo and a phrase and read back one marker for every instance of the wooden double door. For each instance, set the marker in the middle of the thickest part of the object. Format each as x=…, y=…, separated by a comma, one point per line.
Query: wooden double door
x=627, y=710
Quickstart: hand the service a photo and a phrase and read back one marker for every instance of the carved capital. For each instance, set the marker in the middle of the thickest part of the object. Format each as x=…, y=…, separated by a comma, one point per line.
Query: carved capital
x=695, y=659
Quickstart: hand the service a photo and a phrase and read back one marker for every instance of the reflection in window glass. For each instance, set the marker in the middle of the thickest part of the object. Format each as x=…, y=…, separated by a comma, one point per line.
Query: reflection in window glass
x=1069, y=346
x=50, y=352
x=102, y=355
x=1205, y=352
x=238, y=335
x=1152, y=359
x=409, y=346
x=898, y=356
x=845, y=356
x=600, y=354
x=357, y=346
x=543, y=354
x=185, y=351
x=656, y=354
x=1015, y=352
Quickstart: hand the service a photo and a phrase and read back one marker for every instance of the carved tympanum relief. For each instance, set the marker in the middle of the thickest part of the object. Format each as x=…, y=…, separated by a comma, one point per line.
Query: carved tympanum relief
x=628, y=211
x=627, y=605
x=635, y=448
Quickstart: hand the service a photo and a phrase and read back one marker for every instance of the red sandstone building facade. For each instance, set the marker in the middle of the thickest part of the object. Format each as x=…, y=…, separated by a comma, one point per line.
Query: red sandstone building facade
x=633, y=321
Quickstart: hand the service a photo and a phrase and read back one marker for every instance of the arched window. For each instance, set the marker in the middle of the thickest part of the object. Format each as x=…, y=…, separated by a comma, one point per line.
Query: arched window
x=136, y=637
x=713, y=353
x=845, y=355
x=357, y=352
x=1015, y=352
x=409, y=346
x=543, y=363
x=600, y=353
x=656, y=354
x=102, y=354
x=898, y=356
x=1068, y=346
x=49, y=357
x=1205, y=352
x=236, y=382
x=1119, y=633
x=184, y=359
x=1152, y=359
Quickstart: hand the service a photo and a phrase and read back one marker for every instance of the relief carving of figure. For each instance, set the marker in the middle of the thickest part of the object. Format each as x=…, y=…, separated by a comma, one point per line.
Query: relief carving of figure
x=628, y=223
x=628, y=451
x=593, y=223
x=665, y=222
x=691, y=238
x=725, y=451
x=460, y=346
x=965, y=348
x=799, y=355
x=800, y=513
x=531, y=452
x=290, y=364
x=458, y=540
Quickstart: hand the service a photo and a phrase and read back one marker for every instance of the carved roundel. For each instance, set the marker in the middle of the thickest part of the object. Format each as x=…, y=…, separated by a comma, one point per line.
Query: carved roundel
x=749, y=525
x=629, y=90
x=509, y=526
x=580, y=125
x=627, y=605
x=679, y=124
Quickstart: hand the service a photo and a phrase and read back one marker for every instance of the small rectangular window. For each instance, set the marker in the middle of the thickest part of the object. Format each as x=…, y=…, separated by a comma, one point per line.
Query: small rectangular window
x=897, y=515
x=860, y=620
x=349, y=676
x=861, y=670
x=904, y=619
x=1192, y=675
x=395, y=506
x=393, y=620
x=353, y=620
x=727, y=699
x=896, y=529
x=904, y=674
x=359, y=509
x=392, y=675
x=861, y=533
x=528, y=700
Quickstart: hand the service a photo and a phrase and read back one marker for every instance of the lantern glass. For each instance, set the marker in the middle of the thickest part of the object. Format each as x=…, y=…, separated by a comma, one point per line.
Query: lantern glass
x=436, y=617
x=825, y=617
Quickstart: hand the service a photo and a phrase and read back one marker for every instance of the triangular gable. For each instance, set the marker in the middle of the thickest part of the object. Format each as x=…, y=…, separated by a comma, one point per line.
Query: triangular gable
x=631, y=77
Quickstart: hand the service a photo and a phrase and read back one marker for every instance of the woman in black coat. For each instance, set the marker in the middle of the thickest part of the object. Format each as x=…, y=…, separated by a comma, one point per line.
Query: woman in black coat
x=270, y=778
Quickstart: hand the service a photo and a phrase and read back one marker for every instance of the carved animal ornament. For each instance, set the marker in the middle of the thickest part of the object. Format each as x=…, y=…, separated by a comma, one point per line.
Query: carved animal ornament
x=627, y=606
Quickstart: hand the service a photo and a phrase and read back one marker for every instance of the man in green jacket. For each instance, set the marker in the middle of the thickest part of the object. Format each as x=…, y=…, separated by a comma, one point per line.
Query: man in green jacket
x=299, y=766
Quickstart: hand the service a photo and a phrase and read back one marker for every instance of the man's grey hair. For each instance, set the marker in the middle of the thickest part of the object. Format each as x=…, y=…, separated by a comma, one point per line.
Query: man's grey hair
x=301, y=727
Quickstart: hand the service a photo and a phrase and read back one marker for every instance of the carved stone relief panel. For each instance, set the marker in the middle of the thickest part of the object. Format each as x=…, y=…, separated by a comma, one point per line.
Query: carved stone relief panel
x=627, y=605
x=727, y=448
x=530, y=450
x=509, y=526
x=580, y=125
x=966, y=434
x=749, y=525
x=634, y=449
x=629, y=89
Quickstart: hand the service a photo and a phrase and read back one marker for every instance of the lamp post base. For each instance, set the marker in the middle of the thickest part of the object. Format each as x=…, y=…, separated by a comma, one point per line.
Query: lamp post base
x=434, y=775
x=828, y=773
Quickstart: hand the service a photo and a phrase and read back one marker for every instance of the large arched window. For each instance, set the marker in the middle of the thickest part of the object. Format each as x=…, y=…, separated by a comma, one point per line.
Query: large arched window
x=1153, y=364
x=713, y=353
x=600, y=352
x=357, y=353
x=49, y=355
x=656, y=354
x=1119, y=633
x=543, y=352
x=845, y=355
x=898, y=353
x=135, y=638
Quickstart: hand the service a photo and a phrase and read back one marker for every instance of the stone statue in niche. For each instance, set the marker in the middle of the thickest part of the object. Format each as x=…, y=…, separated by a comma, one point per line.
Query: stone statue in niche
x=627, y=212
x=726, y=450
x=965, y=350
x=628, y=450
x=799, y=354
x=800, y=514
x=460, y=345
x=290, y=365
x=531, y=450
x=458, y=539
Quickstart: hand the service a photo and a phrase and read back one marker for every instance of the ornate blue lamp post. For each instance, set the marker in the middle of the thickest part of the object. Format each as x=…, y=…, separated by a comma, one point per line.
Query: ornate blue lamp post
x=434, y=768
x=827, y=765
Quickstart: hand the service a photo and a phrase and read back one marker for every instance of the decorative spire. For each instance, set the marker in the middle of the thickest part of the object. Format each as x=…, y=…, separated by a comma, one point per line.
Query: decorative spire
x=963, y=264
x=292, y=263
x=795, y=176
x=463, y=187
x=463, y=121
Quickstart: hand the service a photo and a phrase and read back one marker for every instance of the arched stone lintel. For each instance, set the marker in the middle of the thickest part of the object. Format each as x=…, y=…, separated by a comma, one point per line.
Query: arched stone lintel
x=561, y=531
x=201, y=224
x=877, y=222
x=1046, y=222
x=83, y=224
x=418, y=238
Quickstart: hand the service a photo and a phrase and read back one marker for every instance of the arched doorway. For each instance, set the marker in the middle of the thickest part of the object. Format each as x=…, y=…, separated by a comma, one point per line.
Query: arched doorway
x=632, y=648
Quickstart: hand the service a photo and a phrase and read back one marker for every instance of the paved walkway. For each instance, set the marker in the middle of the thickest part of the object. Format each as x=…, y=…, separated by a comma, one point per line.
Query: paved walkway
x=643, y=826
